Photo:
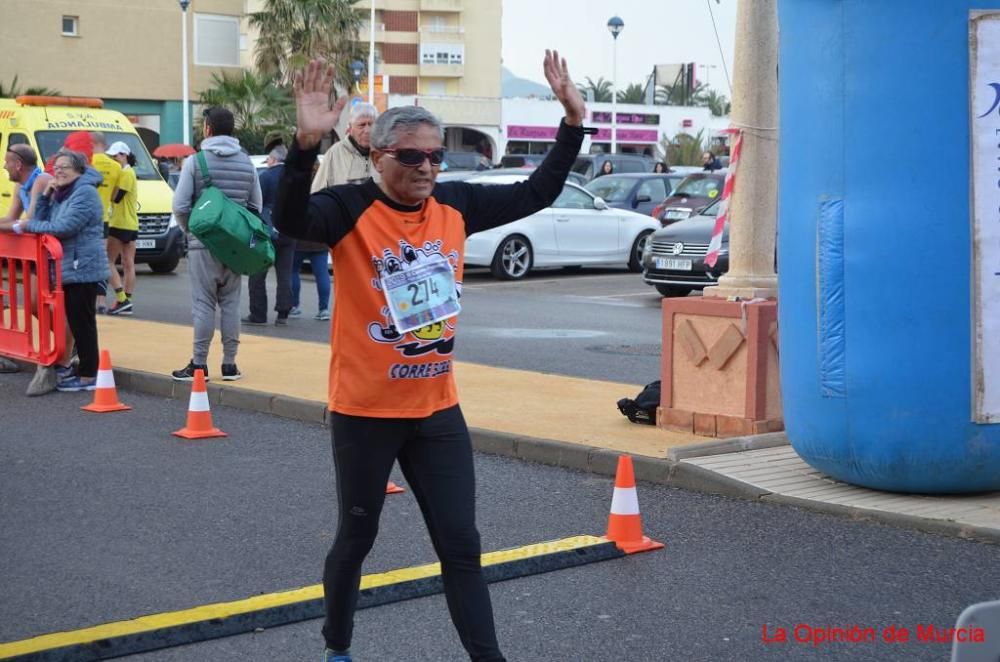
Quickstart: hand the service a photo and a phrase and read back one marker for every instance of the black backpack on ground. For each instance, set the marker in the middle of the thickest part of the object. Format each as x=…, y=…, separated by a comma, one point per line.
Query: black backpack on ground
x=643, y=408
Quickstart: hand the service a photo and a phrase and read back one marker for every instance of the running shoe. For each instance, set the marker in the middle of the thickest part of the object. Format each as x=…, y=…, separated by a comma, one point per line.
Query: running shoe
x=121, y=308
x=295, y=311
x=186, y=374
x=230, y=373
x=331, y=656
x=250, y=321
x=323, y=315
x=76, y=384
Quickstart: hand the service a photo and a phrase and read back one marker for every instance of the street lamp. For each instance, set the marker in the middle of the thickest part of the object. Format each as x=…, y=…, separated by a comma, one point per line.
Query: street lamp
x=615, y=26
x=184, y=71
x=371, y=56
x=357, y=66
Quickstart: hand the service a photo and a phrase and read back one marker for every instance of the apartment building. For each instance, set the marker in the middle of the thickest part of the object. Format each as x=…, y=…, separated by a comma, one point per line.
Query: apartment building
x=123, y=51
x=445, y=55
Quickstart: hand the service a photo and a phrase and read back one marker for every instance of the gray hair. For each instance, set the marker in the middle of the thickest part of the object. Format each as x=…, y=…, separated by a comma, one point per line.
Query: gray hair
x=279, y=153
x=388, y=126
x=77, y=160
x=360, y=110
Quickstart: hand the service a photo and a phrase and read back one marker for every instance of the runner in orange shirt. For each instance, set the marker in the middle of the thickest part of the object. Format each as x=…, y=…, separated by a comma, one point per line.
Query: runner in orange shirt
x=397, y=250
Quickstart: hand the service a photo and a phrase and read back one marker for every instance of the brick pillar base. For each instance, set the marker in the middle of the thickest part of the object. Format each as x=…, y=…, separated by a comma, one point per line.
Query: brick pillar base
x=719, y=368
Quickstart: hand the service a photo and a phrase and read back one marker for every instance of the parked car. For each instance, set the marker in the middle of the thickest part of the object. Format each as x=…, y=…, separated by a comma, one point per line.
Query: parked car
x=521, y=160
x=589, y=165
x=462, y=175
x=465, y=161
x=579, y=229
x=698, y=190
x=637, y=192
x=674, y=261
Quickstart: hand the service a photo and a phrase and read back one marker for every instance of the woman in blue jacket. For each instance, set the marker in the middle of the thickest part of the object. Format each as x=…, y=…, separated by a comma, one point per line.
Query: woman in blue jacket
x=70, y=209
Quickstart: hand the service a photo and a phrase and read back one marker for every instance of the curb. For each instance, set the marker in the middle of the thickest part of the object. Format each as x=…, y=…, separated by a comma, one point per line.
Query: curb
x=672, y=471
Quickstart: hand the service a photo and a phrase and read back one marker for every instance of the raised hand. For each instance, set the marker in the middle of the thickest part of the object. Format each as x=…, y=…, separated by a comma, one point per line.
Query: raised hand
x=313, y=115
x=557, y=73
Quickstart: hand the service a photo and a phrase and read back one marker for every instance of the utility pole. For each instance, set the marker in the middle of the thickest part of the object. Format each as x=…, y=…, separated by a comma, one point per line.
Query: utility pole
x=754, y=202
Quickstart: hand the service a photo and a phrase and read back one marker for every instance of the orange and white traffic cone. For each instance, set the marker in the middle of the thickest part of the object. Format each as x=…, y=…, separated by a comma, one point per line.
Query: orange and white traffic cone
x=199, y=418
x=106, y=395
x=624, y=523
x=393, y=488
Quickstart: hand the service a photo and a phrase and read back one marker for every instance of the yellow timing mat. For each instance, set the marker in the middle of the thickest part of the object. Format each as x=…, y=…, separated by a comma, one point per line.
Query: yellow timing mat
x=222, y=619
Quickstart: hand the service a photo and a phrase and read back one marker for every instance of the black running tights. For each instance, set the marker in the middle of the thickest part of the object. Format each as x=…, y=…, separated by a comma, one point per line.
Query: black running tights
x=435, y=454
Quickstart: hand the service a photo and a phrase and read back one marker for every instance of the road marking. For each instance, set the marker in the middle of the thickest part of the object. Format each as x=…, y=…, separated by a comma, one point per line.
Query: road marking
x=222, y=619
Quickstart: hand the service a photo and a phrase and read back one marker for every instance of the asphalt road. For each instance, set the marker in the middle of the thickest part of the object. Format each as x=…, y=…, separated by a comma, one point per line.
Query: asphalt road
x=595, y=323
x=108, y=517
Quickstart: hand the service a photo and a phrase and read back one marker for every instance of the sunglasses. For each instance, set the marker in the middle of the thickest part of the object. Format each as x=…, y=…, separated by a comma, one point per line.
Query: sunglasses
x=414, y=158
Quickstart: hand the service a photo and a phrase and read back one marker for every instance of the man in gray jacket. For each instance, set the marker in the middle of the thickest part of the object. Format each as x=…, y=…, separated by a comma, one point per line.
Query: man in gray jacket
x=213, y=285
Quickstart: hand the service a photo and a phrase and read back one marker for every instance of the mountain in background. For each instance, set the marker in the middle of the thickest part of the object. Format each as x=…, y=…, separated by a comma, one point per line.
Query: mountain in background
x=512, y=86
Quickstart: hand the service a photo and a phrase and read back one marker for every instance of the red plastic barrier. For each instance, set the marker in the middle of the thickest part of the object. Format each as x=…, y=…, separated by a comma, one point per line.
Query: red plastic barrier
x=30, y=273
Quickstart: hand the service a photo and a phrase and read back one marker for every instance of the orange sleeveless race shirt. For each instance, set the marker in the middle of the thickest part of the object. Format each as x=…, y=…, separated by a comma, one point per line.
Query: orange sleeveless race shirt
x=374, y=370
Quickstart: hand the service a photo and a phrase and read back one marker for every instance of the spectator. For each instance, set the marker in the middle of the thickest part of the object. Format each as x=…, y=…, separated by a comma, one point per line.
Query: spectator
x=387, y=400
x=710, y=162
x=123, y=229
x=348, y=161
x=213, y=285
x=30, y=181
x=70, y=209
x=661, y=167
x=284, y=251
x=607, y=168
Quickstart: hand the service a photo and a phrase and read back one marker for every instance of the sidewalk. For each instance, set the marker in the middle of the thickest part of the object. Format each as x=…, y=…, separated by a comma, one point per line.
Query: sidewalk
x=565, y=421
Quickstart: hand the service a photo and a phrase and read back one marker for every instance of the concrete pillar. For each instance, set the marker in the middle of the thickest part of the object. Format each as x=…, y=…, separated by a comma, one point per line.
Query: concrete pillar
x=753, y=205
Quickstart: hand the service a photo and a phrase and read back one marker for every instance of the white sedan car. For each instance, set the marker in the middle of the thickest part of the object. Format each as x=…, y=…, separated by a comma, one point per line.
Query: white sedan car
x=579, y=229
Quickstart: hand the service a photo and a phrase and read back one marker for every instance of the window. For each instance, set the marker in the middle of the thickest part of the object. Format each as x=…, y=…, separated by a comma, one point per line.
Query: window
x=18, y=139
x=437, y=88
x=573, y=198
x=442, y=53
x=216, y=40
x=654, y=188
x=70, y=26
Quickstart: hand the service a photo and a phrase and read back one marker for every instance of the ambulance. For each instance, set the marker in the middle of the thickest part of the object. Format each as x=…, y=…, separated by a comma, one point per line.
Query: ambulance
x=44, y=122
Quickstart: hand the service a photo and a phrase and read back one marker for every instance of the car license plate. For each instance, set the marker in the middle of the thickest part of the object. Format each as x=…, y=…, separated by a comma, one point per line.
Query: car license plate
x=676, y=214
x=675, y=265
x=145, y=243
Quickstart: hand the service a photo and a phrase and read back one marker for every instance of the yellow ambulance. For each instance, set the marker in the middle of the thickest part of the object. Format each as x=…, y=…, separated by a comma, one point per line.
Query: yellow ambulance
x=44, y=122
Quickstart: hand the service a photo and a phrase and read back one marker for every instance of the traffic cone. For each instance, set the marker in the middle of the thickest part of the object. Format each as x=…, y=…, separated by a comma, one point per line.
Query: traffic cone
x=199, y=418
x=393, y=488
x=624, y=523
x=106, y=395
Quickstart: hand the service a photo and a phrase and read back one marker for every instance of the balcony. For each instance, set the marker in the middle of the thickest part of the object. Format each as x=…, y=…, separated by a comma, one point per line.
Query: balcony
x=442, y=70
x=364, y=33
x=441, y=5
x=443, y=34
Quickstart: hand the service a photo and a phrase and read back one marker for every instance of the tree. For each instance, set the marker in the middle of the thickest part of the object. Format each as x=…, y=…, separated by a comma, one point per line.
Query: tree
x=292, y=32
x=678, y=95
x=717, y=103
x=601, y=89
x=14, y=90
x=261, y=108
x=634, y=93
x=684, y=149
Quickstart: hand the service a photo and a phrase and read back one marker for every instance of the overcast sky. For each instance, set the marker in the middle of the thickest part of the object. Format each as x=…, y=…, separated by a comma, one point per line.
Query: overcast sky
x=656, y=32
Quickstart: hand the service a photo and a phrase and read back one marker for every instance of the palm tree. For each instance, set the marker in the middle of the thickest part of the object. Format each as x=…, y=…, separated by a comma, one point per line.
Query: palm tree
x=684, y=149
x=292, y=32
x=634, y=93
x=717, y=103
x=260, y=106
x=678, y=94
x=14, y=90
x=601, y=89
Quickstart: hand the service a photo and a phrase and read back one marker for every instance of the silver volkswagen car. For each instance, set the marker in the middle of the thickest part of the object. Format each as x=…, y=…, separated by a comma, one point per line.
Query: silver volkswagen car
x=674, y=258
